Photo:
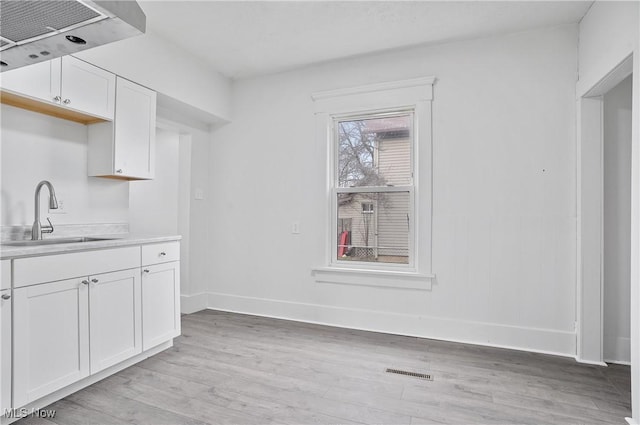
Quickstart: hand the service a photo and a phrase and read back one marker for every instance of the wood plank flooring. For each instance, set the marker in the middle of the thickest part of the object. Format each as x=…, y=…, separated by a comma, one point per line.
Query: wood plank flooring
x=238, y=369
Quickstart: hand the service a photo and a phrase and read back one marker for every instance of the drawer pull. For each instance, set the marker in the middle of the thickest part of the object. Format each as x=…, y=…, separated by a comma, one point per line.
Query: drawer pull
x=162, y=254
x=146, y=270
x=94, y=280
x=6, y=297
x=85, y=282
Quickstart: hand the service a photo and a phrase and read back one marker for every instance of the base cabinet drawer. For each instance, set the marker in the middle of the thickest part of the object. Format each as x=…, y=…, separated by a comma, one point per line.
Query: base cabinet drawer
x=160, y=253
x=160, y=303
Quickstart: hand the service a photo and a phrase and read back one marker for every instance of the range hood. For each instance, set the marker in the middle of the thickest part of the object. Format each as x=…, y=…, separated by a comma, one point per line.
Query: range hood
x=33, y=31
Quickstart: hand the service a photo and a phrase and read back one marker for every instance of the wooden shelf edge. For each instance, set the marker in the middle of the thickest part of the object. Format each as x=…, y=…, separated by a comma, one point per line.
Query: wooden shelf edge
x=33, y=105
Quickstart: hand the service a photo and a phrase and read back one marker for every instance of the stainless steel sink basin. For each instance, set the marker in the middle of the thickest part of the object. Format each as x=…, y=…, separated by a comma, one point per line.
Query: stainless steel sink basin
x=54, y=241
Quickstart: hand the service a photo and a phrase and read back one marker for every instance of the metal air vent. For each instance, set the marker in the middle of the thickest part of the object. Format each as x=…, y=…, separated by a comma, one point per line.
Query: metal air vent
x=29, y=28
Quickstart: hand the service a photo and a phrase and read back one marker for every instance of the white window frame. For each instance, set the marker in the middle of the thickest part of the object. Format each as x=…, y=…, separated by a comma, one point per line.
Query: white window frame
x=413, y=95
x=335, y=190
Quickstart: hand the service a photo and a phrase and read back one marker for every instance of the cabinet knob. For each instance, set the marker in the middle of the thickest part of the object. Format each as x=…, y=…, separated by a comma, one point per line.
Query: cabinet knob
x=119, y=171
x=6, y=297
x=57, y=99
x=94, y=280
x=162, y=254
x=146, y=270
x=66, y=101
x=85, y=282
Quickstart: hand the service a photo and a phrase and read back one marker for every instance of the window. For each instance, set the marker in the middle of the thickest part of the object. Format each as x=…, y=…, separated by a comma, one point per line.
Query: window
x=379, y=183
x=373, y=186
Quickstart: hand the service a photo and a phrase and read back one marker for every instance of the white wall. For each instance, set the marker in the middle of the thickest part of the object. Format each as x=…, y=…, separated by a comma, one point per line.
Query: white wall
x=163, y=67
x=617, y=222
x=39, y=147
x=201, y=217
x=181, y=171
x=503, y=197
x=153, y=204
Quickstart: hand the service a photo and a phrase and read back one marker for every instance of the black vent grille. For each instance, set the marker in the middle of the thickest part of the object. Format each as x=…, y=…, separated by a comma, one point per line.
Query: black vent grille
x=424, y=376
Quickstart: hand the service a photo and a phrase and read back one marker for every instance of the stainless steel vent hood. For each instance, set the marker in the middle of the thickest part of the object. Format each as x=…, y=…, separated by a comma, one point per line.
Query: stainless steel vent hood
x=33, y=31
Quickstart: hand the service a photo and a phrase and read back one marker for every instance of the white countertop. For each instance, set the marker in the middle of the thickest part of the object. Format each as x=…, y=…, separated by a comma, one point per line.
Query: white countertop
x=111, y=241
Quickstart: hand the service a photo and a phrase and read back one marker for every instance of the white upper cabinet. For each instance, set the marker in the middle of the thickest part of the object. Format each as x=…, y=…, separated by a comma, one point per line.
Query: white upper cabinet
x=87, y=88
x=39, y=81
x=66, y=87
x=125, y=148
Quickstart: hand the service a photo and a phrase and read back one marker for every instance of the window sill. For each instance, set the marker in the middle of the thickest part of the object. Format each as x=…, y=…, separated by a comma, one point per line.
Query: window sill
x=367, y=277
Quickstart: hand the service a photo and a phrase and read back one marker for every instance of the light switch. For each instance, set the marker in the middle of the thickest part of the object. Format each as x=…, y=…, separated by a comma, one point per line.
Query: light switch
x=199, y=194
x=295, y=227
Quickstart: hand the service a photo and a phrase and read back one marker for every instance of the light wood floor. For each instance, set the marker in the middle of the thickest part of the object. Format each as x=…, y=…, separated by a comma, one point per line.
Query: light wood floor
x=230, y=368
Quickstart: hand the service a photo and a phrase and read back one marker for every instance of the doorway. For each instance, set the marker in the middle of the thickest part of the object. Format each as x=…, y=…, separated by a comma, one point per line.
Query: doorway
x=604, y=219
x=616, y=281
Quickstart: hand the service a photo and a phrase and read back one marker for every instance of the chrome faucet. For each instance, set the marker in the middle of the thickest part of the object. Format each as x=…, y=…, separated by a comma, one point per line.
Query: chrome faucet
x=38, y=229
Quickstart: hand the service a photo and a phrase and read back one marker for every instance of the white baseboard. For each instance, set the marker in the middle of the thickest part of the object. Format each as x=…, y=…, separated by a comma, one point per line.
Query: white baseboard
x=591, y=362
x=489, y=334
x=192, y=303
x=630, y=421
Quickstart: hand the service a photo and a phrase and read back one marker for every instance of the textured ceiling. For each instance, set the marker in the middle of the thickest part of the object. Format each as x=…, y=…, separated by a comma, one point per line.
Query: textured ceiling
x=246, y=38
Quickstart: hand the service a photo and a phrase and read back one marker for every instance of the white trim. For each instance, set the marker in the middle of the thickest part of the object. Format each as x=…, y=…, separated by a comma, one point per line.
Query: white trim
x=192, y=303
x=535, y=340
x=373, y=189
x=609, y=81
x=590, y=207
x=378, y=277
x=630, y=421
x=620, y=362
x=369, y=88
x=412, y=96
x=591, y=362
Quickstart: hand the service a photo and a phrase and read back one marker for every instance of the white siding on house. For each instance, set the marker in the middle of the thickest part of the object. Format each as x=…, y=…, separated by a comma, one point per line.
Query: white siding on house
x=394, y=161
x=393, y=224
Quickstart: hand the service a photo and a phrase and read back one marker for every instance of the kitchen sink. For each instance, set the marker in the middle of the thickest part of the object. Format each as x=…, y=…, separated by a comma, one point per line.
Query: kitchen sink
x=54, y=241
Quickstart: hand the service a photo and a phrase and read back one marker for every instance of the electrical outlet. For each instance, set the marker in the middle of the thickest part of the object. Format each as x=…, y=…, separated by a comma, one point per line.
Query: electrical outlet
x=295, y=227
x=62, y=207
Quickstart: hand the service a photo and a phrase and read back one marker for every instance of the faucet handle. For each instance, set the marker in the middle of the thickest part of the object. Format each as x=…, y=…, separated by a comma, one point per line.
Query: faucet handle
x=49, y=228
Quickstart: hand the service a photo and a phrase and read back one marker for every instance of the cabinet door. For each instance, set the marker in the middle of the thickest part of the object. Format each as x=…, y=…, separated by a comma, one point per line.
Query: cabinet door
x=39, y=81
x=160, y=303
x=134, y=131
x=114, y=318
x=51, y=338
x=5, y=350
x=87, y=88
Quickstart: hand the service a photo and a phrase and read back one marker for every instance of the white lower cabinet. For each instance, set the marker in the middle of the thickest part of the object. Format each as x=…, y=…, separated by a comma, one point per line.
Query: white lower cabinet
x=5, y=350
x=51, y=338
x=160, y=303
x=114, y=318
x=67, y=330
x=69, y=324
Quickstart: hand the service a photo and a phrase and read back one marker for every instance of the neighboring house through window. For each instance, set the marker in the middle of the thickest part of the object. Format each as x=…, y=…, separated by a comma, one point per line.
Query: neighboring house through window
x=379, y=166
